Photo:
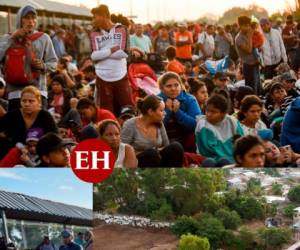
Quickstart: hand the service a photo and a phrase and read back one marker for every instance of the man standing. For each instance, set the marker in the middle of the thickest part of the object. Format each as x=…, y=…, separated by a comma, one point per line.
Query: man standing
x=206, y=43
x=46, y=244
x=109, y=44
x=243, y=43
x=89, y=239
x=68, y=243
x=183, y=42
x=140, y=41
x=45, y=59
x=273, y=50
x=223, y=41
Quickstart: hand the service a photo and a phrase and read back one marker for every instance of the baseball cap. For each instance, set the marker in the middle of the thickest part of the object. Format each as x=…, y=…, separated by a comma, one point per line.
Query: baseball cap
x=287, y=76
x=34, y=134
x=127, y=111
x=51, y=142
x=66, y=234
x=221, y=76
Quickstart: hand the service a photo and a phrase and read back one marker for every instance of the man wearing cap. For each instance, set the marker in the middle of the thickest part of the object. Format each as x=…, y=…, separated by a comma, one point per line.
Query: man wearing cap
x=68, y=243
x=273, y=50
x=45, y=61
x=288, y=81
x=53, y=152
x=140, y=41
x=183, y=43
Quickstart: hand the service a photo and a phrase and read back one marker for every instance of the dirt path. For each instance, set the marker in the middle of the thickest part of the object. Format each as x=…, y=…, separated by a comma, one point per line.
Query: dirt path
x=116, y=237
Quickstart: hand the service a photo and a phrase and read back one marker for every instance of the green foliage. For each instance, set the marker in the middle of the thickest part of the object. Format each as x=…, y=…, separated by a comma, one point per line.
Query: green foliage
x=277, y=189
x=270, y=209
x=294, y=194
x=275, y=237
x=247, y=207
x=254, y=186
x=246, y=239
x=272, y=172
x=230, y=219
x=212, y=229
x=288, y=211
x=193, y=242
x=164, y=212
x=185, y=225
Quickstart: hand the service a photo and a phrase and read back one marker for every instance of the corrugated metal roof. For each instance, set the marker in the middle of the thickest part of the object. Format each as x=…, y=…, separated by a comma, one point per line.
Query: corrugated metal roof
x=49, y=6
x=20, y=206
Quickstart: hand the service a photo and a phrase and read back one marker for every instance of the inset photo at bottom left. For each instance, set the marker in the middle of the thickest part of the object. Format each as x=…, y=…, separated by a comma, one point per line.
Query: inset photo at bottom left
x=45, y=209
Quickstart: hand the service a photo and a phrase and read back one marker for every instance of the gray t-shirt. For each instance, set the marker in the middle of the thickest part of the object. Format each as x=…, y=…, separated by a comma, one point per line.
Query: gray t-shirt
x=222, y=46
x=245, y=57
x=131, y=135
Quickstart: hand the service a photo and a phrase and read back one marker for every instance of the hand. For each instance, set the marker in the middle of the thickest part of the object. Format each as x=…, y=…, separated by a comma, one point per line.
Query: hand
x=169, y=104
x=38, y=64
x=19, y=33
x=114, y=49
x=176, y=105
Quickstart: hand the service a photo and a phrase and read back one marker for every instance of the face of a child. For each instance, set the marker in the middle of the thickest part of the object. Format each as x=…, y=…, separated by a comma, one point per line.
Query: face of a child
x=253, y=114
x=214, y=115
x=272, y=152
x=245, y=28
x=202, y=95
x=221, y=83
x=31, y=145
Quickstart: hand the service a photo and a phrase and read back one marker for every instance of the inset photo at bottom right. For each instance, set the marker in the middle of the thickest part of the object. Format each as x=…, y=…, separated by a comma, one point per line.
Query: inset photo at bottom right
x=195, y=209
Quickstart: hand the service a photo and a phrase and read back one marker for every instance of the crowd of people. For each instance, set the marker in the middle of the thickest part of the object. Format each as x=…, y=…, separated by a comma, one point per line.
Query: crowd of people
x=180, y=95
x=83, y=241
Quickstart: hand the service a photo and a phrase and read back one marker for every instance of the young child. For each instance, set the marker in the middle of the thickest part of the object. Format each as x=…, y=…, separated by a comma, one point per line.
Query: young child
x=173, y=64
x=257, y=39
x=215, y=131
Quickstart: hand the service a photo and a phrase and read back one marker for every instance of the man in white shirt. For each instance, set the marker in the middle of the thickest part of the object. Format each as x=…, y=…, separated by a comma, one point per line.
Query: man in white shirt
x=206, y=43
x=273, y=49
x=109, y=43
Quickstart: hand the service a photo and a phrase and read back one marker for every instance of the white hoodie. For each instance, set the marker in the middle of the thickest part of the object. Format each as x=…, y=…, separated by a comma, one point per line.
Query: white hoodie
x=109, y=66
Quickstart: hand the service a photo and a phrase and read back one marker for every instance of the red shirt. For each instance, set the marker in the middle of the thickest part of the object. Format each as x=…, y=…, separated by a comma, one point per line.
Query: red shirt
x=184, y=52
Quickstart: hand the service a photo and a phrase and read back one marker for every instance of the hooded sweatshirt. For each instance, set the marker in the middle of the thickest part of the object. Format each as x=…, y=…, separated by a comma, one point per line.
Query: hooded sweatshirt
x=43, y=49
x=290, y=134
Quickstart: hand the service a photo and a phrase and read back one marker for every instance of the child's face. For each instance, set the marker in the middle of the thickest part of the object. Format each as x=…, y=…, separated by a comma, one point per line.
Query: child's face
x=214, y=115
x=202, y=95
x=31, y=146
x=221, y=83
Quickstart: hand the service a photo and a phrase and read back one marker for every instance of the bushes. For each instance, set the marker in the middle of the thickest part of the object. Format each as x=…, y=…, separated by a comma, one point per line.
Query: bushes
x=185, y=225
x=294, y=194
x=230, y=219
x=275, y=237
x=193, y=242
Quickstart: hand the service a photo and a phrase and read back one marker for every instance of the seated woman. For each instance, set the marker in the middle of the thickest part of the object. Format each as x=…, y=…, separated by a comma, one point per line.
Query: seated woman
x=15, y=124
x=249, y=116
x=147, y=134
x=249, y=152
x=280, y=156
x=199, y=90
x=181, y=110
x=109, y=131
x=59, y=98
x=216, y=130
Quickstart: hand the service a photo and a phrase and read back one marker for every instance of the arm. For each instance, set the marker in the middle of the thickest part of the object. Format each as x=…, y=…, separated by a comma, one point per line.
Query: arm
x=188, y=118
x=130, y=160
x=50, y=59
x=49, y=123
x=164, y=136
x=282, y=48
x=5, y=43
x=127, y=132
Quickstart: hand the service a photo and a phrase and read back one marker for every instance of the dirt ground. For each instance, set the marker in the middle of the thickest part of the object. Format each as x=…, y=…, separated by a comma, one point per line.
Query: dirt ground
x=116, y=237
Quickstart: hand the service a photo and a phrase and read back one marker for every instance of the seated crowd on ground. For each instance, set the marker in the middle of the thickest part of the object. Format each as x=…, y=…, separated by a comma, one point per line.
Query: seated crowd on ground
x=177, y=95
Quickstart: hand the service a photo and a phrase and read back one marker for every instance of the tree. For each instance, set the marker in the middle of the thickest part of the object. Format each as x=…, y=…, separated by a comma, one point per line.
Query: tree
x=274, y=238
x=185, y=225
x=193, y=242
x=294, y=194
x=230, y=16
x=277, y=189
x=254, y=186
x=246, y=239
x=164, y=212
x=230, y=219
x=212, y=229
